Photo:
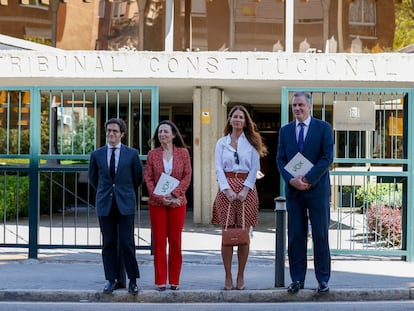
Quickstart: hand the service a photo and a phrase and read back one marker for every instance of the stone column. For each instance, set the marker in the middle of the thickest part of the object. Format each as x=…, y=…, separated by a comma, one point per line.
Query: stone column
x=210, y=115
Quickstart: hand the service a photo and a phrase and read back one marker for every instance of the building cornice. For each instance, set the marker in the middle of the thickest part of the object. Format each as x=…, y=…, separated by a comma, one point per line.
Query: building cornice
x=208, y=65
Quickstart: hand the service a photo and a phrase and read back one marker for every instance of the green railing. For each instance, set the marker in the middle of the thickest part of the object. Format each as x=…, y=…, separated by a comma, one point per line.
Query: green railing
x=372, y=173
x=47, y=135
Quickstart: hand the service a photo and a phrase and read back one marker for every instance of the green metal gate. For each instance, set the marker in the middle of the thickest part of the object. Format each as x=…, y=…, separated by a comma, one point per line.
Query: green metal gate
x=372, y=173
x=46, y=136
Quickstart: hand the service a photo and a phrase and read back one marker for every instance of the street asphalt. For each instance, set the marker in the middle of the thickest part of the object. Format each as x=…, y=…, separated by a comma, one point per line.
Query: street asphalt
x=77, y=275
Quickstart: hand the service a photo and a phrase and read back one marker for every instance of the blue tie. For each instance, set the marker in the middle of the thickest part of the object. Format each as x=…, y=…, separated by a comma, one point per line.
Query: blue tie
x=301, y=137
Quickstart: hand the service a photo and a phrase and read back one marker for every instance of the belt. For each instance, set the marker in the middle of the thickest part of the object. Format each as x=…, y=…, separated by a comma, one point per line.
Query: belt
x=236, y=175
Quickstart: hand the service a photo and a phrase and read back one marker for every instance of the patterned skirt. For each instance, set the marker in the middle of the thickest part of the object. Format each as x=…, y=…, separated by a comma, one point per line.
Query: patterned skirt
x=221, y=205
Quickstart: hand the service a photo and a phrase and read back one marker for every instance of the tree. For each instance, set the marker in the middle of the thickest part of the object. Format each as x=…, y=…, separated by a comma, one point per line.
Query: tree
x=404, y=24
x=82, y=140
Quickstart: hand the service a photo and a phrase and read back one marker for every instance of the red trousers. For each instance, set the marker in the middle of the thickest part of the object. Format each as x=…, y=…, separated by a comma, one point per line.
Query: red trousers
x=166, y=227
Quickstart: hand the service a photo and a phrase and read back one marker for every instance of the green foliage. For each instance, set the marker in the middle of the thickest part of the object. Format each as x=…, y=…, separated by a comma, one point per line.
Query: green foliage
x=44, y=133
x=384, y=202
x=83, y=138
x=15, y=145
x=404, y=24
x=14, y=194
x=380, y=193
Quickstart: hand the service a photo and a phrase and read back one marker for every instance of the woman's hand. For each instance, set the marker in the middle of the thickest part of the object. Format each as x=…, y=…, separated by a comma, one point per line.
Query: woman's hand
x=242, y=195
x=171, y=201
x=167, y=199
x=230, y=195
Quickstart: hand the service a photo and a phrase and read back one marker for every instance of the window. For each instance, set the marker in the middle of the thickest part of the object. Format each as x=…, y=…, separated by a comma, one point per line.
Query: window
x=40, y=4
x=101, y=8
x=119, y=9
x=362, y=19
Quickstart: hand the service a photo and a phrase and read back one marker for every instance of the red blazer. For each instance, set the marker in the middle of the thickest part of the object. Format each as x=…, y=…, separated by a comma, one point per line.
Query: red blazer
x=181, y=170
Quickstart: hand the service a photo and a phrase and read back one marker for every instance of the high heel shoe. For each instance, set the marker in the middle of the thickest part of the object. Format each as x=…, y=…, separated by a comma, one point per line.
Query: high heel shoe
x=228, y=286
x=240, y=285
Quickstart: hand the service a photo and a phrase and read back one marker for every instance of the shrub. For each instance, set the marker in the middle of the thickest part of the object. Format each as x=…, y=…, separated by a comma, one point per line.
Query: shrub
x=14, y=194
x=380, y=193
x=385, y=222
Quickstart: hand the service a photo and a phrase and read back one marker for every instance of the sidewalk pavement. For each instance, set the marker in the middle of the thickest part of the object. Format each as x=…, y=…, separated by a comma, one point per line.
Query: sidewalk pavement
x=77, y=275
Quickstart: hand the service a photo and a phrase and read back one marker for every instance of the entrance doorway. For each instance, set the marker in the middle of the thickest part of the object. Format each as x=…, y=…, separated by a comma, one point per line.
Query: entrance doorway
x=268, y=123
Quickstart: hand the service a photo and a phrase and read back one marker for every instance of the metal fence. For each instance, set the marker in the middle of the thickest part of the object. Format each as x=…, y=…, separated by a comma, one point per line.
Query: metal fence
x=46, y=136
x=371, y=176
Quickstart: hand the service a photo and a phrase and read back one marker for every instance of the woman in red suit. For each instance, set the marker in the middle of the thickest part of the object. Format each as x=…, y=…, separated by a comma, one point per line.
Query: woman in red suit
x=167, y=212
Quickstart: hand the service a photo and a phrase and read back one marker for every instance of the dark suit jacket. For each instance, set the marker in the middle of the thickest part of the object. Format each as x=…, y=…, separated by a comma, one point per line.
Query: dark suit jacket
x=125, y=185
x=181, y=171
x=318, y=149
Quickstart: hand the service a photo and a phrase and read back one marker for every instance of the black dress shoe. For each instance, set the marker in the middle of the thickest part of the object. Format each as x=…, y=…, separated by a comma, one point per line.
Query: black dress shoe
x=295, y=286
x=133, y=287
x=323, y=287
x=110, y=287
x=174, y=287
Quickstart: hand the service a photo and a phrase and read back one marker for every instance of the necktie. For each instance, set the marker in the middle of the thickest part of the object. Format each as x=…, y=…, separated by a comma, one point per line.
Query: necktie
x=301, y=137
x=112, y=163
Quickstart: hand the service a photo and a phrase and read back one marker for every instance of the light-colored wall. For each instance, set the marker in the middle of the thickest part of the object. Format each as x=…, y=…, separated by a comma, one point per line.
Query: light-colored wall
x=78, y=24
x=209, y=116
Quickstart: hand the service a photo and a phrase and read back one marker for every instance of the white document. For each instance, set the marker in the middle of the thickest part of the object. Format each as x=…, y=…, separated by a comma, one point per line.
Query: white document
x=298, y=165
x=166, y=184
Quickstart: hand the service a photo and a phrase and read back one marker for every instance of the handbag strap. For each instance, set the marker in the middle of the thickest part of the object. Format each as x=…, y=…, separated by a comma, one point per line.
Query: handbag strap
x=228, y=216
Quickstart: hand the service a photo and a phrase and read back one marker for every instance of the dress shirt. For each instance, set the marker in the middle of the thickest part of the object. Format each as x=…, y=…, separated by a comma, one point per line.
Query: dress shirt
x=305, y=128
x=117, y=153
x=249, y=161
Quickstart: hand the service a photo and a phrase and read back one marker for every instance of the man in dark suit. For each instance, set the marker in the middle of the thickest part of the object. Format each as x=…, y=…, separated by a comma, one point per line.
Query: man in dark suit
x=115, y=171
x=308, y=194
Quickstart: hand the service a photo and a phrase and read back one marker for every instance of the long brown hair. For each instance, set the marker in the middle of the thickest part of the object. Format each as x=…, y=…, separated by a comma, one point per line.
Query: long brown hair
x=178, y=140
x=250, y=130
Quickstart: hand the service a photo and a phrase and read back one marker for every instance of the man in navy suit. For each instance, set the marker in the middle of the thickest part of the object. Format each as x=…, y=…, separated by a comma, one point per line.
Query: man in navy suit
x=307, y=195
x=115, y=171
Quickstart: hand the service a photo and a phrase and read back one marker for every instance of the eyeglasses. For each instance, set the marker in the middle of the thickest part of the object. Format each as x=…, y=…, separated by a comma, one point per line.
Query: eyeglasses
x=236, y=158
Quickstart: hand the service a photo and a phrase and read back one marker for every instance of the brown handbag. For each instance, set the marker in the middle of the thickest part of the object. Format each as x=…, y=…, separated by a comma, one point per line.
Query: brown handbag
x=232, y=236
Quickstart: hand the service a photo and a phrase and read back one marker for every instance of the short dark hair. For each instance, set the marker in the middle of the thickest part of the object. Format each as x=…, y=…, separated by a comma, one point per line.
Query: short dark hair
x=121, y=123
x=306, y=95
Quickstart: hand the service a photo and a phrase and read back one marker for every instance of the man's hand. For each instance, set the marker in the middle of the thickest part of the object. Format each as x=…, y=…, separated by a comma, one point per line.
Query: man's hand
x=300, y=183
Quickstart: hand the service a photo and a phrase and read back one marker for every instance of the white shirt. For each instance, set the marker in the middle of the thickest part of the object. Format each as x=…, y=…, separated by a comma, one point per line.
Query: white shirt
x=168, y=166
x=249, y=161
x=117, y=153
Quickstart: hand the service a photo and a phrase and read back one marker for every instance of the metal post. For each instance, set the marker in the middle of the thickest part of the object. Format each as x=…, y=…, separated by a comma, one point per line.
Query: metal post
x=280, y=219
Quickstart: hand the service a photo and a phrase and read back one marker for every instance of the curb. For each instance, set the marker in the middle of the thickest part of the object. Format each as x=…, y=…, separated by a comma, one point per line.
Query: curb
x=207, y=296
